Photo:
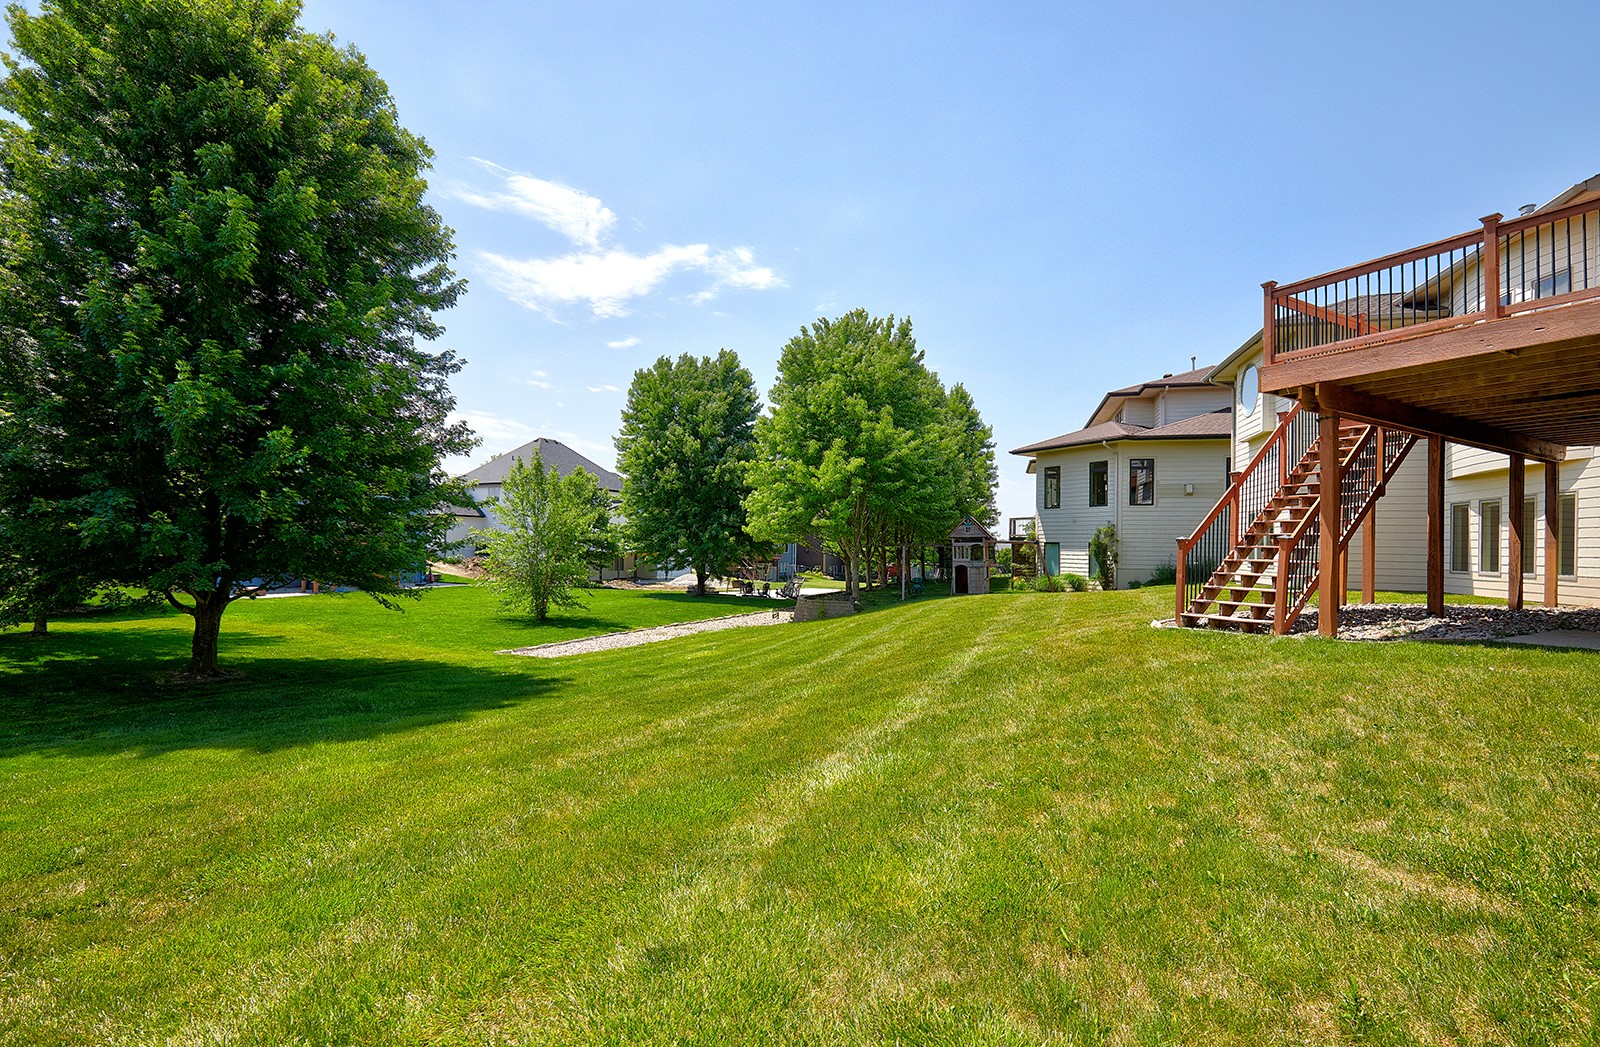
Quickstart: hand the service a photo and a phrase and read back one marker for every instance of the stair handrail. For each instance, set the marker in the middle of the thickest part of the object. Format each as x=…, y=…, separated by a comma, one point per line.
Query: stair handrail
x=1230, y=497
x=1287, y=542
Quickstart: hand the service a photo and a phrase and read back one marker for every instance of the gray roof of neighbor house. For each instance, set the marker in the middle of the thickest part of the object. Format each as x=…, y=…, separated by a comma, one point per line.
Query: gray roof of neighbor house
x=1195, y=379
x=1212, y=425
x=556, y=455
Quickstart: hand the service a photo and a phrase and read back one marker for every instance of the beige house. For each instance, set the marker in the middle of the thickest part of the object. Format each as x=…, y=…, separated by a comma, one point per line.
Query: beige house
x=1151, y=460
x=1456, y=382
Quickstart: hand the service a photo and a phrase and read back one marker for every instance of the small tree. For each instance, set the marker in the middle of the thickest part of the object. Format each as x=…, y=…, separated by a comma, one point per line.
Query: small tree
x=1103, y=553
x=542, y=556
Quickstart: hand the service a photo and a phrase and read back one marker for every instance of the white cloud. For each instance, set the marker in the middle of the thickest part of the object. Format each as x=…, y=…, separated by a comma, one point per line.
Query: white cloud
x=604, y=389
x=605, y=278
x=624, y=343
x=539, y=385
x=573, y=213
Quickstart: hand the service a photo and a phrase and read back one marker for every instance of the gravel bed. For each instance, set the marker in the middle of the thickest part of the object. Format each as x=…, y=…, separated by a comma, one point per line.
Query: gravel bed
x=635, y=637
x=1459, y=621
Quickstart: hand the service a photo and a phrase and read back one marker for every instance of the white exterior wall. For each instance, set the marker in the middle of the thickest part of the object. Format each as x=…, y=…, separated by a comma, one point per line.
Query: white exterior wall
x=1578, y=476
x=1174, y=405
x=1402, y=523
x=1147, y=533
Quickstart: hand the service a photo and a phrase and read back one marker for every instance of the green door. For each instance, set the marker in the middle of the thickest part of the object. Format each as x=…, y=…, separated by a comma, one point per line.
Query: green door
x=1052, y=558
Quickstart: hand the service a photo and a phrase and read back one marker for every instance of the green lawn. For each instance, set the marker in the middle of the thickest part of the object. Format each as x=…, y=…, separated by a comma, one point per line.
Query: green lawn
x=1009, y=819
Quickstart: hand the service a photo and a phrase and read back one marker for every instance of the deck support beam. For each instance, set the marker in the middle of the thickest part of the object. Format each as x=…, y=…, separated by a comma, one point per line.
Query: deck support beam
x=1330, y=567
x=1379, y=410
x=1515, y=495
x=1435, y=525
x=1552, y=532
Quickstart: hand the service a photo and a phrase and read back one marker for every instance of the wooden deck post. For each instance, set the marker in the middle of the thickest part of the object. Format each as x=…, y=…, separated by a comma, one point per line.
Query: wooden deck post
x=1489, y=266
x=1516, y=494
x=1435, y=525
x=1182, y=565
x=1369, y=557
x=1552, y=532
x=1280, y=591
x=1331, y=570
x=1269, y=324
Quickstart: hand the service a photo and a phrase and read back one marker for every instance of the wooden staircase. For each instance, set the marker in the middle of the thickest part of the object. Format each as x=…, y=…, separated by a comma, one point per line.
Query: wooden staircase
x=1252, y=564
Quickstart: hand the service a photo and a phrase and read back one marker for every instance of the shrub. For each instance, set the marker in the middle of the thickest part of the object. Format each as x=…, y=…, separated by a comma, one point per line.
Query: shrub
x=1103, y=551
x=1076, y=582
x=1135, y=583
x=1165, y=574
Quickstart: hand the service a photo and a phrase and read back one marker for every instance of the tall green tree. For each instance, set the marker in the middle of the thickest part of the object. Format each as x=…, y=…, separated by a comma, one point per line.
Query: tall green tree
x=541, y=554
x=855, y=448
x=221, y=220
x=685, y=448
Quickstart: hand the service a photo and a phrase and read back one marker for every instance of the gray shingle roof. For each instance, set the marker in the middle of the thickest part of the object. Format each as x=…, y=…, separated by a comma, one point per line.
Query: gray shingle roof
x=556, y=455
x=1213, y=425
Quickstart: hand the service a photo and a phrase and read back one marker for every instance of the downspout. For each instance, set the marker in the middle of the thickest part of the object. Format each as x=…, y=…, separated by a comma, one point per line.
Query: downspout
x=1111, y=488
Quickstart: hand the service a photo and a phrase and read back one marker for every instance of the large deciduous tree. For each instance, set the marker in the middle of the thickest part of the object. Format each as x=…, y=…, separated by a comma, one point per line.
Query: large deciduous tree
x=220, y=222
x=541, y=553
x=865, y=447
x=687, y=440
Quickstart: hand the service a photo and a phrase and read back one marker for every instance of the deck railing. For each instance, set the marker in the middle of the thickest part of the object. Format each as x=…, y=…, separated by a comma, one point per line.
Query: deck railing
x=1537, y=261
x=1242, y=503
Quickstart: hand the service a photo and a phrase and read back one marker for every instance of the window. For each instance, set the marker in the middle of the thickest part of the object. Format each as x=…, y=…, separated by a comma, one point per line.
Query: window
x=1529, y=542
x=1249, y=388
x=1099, y=487
x=1052, y=487
x=1489, y=537
x=1460, y=558
x=1052, y=558
x=1568, y=540
x=1141, y=481
x=1535, y=287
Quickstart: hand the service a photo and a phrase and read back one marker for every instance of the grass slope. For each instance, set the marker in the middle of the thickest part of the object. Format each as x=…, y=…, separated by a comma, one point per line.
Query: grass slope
x=1009, y=819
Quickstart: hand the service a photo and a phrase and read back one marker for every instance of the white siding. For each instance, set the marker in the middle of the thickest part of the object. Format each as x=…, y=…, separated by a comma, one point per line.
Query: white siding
x=1174, y=405
x=1581, y=478
x=1075, y=521
x=1147, y=533
x=1402, y=525
x=1138, y=412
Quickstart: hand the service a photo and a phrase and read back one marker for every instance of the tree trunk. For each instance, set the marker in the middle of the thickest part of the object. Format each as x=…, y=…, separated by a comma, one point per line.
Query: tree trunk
x=41, y=622
x=208, y=608
x=699, y=580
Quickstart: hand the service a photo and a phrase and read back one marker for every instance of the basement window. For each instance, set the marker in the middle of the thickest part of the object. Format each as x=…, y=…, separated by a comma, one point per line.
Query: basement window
x=1568, y=539
x=1460, y=555
x=1489, y=537
x=1529, y=541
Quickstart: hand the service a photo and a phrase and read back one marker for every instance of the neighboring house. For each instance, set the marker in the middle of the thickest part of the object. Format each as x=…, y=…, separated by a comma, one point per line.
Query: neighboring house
x=489, y=479
x=1152, y=459
x=1482, y=349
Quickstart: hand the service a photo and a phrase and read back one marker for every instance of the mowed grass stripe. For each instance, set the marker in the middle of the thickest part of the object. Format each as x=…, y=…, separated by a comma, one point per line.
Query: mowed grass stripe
x=994, y=820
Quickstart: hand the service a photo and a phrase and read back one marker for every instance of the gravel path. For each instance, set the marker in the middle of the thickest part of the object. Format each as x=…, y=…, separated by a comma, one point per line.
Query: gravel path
x=635, y=637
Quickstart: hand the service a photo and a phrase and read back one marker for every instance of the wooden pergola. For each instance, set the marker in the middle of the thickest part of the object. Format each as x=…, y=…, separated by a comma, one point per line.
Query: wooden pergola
x=1519, y=374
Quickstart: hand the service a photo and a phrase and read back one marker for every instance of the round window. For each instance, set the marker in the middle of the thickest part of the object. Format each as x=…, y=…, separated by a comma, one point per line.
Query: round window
x=1249, y=387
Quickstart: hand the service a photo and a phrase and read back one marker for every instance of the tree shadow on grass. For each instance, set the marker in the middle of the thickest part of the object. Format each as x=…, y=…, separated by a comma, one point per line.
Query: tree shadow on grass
x=106, y=693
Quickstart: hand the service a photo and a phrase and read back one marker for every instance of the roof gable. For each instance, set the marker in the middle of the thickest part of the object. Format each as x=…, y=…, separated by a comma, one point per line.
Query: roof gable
x=556, y=455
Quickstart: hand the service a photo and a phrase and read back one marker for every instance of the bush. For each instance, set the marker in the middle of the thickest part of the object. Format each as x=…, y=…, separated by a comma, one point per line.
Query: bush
x=1103, y=551
x=1076, y=582
x=1165, y=574
x=1135, y=584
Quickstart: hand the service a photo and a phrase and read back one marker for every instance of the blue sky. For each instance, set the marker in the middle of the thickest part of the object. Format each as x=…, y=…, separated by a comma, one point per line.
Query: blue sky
x=1065, y=198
